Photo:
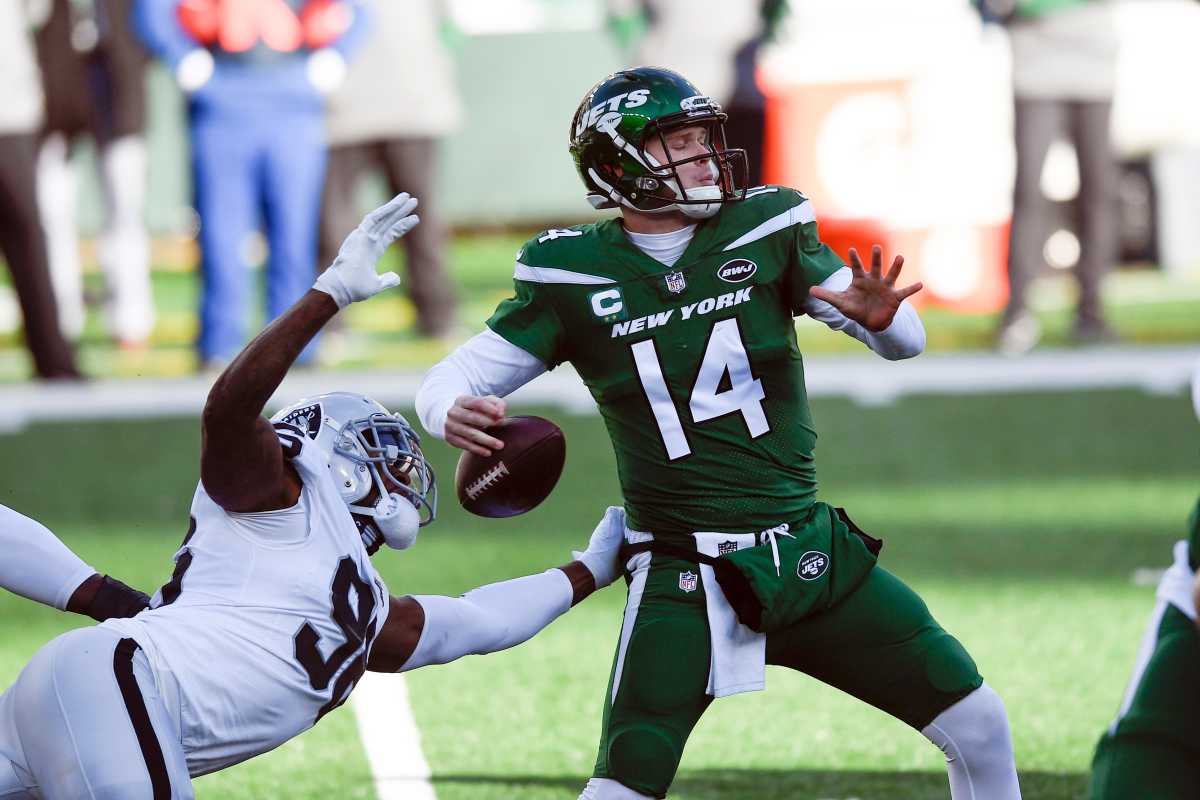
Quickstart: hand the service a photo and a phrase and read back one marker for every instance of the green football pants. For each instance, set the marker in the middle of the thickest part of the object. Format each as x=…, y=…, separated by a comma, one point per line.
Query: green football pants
x=880, y=645
x=1152, y=751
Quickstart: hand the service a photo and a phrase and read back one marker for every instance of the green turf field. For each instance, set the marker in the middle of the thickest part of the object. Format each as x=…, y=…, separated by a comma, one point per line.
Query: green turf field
x=1020, y=520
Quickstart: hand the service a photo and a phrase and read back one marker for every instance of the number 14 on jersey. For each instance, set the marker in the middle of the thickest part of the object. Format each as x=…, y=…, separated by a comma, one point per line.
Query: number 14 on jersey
x=724, y=354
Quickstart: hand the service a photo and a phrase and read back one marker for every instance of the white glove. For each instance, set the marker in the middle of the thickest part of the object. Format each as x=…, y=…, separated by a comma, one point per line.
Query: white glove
x=326, y=69
x=352, y=277
x=601, y=557
x=194, y=70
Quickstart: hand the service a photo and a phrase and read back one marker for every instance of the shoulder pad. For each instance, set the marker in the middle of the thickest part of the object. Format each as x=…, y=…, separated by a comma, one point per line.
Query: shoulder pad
x=560, y=255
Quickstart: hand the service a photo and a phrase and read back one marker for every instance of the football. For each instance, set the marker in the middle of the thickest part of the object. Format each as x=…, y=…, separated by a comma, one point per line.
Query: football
x=513, y=480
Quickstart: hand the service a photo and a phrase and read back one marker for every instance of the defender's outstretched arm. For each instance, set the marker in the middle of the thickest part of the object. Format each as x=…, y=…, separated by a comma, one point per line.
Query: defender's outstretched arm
x=37, y=565
x=431, y=629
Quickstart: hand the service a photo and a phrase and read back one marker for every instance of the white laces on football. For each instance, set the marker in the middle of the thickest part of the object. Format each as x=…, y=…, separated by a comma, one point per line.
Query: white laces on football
x=769, y=534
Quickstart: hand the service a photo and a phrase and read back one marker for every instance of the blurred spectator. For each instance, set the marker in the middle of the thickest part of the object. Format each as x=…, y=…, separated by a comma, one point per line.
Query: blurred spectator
x=716, y=44
x=21, y=237
x=389, y=118
x=256, y=72
x=1064, y=55
x=93, y=70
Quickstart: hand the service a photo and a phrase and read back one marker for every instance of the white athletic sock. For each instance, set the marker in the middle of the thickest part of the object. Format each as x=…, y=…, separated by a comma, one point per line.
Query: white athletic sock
x=608, y=789
x=974, y=735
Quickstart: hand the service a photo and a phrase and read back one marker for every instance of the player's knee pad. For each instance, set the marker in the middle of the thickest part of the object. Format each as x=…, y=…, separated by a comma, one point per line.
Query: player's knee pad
x=608, y=789
x=640, y=755
x=974, y=730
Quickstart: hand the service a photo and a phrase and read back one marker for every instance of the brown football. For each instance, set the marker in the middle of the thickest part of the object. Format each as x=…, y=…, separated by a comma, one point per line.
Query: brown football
x=515, y=479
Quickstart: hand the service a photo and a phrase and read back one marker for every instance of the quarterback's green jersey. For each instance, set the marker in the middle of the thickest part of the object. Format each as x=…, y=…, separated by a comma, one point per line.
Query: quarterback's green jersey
x=695, y=367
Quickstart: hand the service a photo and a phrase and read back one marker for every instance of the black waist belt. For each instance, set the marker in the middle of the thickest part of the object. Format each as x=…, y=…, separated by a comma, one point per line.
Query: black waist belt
x=739, y=586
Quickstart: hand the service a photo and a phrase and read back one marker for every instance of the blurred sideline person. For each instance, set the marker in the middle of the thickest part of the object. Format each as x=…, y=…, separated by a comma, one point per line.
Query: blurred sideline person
x=372, y=128
x=21, y=236
x=679, y=317
x=274, y=609
x=256, y=73
x=94, y=71
x=1151, y=750
x=1064, y=71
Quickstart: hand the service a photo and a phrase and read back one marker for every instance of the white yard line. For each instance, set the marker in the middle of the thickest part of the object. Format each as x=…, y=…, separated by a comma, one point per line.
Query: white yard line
x=390, y=738
x=864, y=378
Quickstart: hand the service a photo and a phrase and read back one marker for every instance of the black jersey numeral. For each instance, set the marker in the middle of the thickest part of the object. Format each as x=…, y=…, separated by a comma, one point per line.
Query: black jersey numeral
x=356, y=620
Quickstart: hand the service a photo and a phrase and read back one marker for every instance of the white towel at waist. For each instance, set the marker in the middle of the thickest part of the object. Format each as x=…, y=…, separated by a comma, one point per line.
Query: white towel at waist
x=1176, y=584
x=739, y=655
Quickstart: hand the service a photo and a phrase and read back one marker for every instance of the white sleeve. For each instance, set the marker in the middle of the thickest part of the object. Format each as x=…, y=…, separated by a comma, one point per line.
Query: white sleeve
x=488, y=619
x=36, y=564
x=485, y=364
x=904, y=338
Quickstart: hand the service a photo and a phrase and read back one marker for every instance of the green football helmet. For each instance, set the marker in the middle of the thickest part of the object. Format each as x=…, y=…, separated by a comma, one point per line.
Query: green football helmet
x=620, y=115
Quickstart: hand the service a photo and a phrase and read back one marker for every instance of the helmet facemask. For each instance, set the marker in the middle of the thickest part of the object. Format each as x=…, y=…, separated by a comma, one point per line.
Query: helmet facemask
x=382, y=453
x=631, y=109
x=727, y=167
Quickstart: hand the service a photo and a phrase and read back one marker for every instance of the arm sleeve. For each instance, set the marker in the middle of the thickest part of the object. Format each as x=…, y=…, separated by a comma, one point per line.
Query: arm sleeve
x=485, y=364
x=488, y=619
x=36, y=564
x=904, y=338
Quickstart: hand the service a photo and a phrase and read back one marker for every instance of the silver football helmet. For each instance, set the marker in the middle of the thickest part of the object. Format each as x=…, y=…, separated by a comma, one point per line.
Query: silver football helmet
x=368, y=447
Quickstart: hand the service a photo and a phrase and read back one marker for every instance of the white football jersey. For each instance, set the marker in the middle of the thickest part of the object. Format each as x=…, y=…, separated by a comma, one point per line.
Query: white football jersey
x=267, y=621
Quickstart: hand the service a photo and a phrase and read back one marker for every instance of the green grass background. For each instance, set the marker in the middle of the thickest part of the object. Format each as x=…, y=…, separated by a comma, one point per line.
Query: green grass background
x=1144, y=306
x=1020, y=519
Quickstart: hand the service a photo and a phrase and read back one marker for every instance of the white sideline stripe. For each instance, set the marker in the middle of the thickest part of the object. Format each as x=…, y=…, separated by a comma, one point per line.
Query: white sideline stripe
x=525, y=272
x=390, y=738
x=794, y=215
x=865, y=378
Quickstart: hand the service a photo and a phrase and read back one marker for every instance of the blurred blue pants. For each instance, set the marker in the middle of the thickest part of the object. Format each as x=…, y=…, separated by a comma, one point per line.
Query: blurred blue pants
x=248, y=165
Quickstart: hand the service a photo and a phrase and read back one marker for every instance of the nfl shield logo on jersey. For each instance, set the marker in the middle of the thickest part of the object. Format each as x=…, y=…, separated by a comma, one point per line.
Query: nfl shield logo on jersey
x=687, y=581
x=676, y=283
x=726, y=547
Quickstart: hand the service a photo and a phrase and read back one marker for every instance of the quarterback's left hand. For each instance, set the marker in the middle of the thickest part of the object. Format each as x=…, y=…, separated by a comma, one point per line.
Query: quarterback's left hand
x=871, y=299
x=352, y=277
x=602, y=555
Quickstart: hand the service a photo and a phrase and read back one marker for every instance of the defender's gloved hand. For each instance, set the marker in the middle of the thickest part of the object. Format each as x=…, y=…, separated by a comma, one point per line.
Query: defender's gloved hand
x=352, y=277
x=601, y=557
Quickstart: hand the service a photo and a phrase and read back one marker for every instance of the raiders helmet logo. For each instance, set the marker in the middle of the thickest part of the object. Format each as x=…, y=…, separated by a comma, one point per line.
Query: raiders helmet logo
x=307, y=420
